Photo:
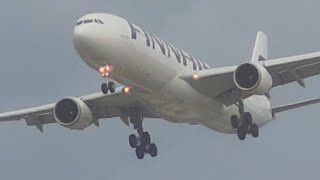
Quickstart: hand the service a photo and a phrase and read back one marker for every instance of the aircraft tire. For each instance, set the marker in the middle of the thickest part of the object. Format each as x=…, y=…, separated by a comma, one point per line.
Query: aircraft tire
x=145, y=138
x=111, y=87
x=140, y=151
x=133, y=141
x=235, y=121
x=254, y=130
x=104, y=88
x=152, y=150
x=241, y=132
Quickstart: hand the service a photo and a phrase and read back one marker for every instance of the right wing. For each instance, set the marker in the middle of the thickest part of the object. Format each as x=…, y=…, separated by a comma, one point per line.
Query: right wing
x=117, y=104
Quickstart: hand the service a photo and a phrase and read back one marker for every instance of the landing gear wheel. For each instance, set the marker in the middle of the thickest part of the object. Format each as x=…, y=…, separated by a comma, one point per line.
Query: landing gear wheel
x=141, y=141
x=145, y=138
x=152, y=150
x=235, y=121
x=133, y=140
x=242, y=132
x=104, y=88
x=140, y=152
x=247, y=118
x=112, y=87
x=254, y=130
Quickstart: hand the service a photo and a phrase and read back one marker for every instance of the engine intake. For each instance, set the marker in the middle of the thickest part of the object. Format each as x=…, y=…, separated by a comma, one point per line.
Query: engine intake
x=253, y=78
x=73, y=113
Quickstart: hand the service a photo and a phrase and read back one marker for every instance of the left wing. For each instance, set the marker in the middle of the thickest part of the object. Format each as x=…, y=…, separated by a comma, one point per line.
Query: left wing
x=117, y=104
x=295, y=68
x=218, y=83
x=294, y=106
x=215, y=83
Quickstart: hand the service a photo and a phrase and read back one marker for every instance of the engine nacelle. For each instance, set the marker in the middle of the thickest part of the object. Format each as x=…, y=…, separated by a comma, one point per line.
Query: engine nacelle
x=253, y=78
x=73, y=113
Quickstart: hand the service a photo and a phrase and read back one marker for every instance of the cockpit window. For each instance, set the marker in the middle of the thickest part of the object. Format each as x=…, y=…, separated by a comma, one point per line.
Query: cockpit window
x=87, y=21
x=101, y=22
x=97, y=21
x=79, y=22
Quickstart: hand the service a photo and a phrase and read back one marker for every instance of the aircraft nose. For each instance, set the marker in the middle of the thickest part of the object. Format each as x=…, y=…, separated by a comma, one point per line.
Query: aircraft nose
x=81, y=37
x=84, y=41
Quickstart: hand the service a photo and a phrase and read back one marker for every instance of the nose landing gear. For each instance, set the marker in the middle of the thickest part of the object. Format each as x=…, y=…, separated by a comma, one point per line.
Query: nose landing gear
x=244, y=124
x=106, y=87
x=109, y=86
x=141, y=141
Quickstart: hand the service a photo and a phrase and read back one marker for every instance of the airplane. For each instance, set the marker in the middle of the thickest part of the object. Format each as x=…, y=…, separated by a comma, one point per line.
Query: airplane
x=161, y=81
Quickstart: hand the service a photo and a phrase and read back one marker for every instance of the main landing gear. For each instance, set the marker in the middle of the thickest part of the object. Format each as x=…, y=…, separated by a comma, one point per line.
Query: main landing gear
x=244, y=123
x=109, y=86
x=141, y=141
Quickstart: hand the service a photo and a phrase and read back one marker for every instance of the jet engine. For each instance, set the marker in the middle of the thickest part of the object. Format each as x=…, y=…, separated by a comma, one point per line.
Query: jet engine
x=73, y=113
x=253, y=79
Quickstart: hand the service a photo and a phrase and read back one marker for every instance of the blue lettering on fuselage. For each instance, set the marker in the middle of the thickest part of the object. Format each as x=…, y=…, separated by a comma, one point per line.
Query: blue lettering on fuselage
x=166, y=48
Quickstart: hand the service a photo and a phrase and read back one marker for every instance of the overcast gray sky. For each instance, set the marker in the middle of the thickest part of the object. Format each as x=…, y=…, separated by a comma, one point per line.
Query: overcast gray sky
x=39, y=65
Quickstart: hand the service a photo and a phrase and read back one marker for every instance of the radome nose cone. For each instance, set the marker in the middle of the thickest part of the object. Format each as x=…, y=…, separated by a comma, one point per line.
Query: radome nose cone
x=83, y=40
x=86, y=42
x=80, y=35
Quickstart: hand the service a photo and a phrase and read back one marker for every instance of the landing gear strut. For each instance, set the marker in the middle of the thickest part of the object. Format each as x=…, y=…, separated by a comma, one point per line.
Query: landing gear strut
x=244, y=124
x=141, y=141
x=109, y=86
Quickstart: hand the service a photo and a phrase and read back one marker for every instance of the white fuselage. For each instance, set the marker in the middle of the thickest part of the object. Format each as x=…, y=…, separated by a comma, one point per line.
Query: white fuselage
x=143, y=61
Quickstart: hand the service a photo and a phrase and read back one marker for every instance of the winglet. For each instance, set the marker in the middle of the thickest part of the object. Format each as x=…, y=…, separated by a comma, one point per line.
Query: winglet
x=260, y=51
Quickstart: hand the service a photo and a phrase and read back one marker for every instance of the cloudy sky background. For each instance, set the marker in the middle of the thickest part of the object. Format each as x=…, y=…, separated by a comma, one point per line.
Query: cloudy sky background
x=39, y=65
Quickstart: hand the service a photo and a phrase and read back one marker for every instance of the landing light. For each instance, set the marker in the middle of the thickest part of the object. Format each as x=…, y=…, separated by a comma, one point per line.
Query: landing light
x=101, y=69
x=196, y=76
x=105, y=70
x=126, y=90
